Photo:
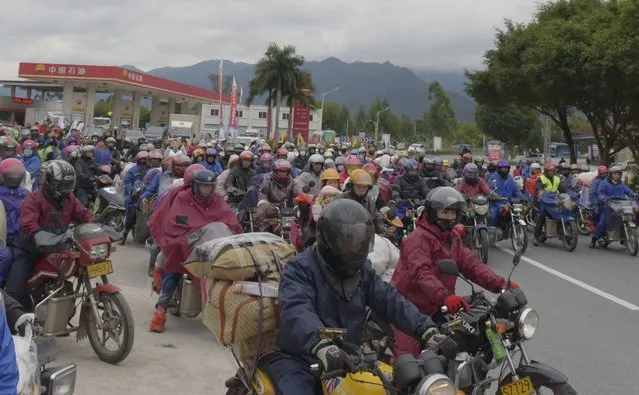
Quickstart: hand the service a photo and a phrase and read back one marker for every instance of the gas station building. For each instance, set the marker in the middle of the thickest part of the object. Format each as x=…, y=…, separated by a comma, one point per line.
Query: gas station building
x=79, y=85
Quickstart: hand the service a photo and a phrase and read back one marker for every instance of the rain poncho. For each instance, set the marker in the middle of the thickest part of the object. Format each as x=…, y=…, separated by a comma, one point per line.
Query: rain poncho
x=8, y=364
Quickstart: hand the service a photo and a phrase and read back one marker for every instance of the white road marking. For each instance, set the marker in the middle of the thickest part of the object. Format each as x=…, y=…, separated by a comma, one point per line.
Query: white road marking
x=574, y=281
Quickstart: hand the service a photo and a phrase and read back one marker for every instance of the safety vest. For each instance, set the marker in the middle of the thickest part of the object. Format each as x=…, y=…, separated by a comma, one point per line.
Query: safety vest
x=550, y=186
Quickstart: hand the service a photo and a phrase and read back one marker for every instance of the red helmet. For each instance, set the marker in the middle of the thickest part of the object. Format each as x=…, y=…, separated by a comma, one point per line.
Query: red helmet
x=281, y=170
x=467, y=157
x=352, y=160
x=246, y=155
x=371, y=169
x=281, y=153
x=12, y=172
x=550, y=166
x=29, y=148
x=602, y=170
x=167, y=163
x=180, y=165
x=142, y=156
x=190, y=171
x=266, y=157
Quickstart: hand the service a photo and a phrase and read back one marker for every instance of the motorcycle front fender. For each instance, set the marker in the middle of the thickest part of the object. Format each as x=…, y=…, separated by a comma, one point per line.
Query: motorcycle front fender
x=539, y=373
x=481, y=226
x=105, y=288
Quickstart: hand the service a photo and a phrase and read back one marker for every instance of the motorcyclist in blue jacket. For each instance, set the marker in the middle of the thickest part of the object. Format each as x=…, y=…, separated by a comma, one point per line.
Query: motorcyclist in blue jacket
x=31, y=162
x=329, y=285
x=502, y=183
x=9, y=374
x=132, y=180
x=210, y=161
x=610, y=188
x=12, y=194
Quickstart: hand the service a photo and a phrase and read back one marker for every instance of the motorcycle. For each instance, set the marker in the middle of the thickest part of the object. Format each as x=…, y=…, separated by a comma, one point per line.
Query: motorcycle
x=62, y=278
x=408, y=211
x=559, y=220
x=491, y=336
x=393, y=225
x=480, y=234
x=513, y=224
x=186, y=300
x=408, y=375
x=108, y=207
x=584, y=220
x=621, y=225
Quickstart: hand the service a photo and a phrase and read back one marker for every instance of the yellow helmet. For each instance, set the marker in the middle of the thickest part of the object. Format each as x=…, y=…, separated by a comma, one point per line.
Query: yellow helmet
x=445, y=163
x=198, y=152
x=329, y=174
x=361, y=177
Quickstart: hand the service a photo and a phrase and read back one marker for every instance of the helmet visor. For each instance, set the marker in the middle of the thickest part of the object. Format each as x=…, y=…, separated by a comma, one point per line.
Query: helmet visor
x=351, y=242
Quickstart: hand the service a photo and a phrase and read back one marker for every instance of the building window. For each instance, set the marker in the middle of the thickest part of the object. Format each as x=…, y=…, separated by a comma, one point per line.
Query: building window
x=310, y=117
x=239, y=113
x=262, y=115
x=215, y=112
x=285, y=116
x=210, y=126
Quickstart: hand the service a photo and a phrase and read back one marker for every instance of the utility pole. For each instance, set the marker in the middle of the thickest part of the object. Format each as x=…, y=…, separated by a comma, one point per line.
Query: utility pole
x=347, y=127
x=377, y=123
x=546, y=135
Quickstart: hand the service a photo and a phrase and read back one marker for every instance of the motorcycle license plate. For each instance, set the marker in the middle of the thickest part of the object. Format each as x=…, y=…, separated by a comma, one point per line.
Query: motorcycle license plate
x=519, y=387
x=100, y=269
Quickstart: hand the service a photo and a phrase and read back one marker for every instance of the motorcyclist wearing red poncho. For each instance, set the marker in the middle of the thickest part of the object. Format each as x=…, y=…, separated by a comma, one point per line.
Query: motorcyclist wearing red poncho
x=192, y=206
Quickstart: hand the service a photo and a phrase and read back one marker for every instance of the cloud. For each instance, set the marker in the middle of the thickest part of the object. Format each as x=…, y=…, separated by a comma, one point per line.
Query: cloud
x=422, y=34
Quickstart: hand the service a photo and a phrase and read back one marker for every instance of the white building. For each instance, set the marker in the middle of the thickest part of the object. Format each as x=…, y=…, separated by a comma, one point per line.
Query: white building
x=253, y=117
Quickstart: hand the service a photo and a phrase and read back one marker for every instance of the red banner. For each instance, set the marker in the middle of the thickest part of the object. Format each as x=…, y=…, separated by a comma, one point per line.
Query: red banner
x=301, y=121
x=116, y=75
x=233, y=115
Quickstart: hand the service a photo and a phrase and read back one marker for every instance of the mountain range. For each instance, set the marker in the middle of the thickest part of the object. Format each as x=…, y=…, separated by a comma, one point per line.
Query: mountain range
x=359, y=83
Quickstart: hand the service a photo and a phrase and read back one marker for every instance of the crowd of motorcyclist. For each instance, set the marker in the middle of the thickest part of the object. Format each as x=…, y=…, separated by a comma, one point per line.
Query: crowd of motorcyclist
x=345, y=198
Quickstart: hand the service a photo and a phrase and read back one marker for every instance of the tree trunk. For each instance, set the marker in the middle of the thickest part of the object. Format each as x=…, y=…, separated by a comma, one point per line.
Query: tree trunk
x=278, y=100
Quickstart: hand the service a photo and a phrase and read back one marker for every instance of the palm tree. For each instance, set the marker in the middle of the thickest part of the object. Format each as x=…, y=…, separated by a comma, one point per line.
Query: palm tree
x=302, y=91
x=277, y=70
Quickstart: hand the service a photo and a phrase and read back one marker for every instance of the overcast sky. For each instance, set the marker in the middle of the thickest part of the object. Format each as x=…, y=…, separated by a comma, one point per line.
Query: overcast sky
x=421, y=34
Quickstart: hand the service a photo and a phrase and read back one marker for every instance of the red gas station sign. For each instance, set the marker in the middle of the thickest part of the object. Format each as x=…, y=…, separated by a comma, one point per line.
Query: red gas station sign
x=22, y=100
x=115, y=74
x=301, y=120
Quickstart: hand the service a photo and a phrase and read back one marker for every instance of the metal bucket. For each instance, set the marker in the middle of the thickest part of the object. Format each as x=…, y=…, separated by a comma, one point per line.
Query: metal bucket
x=190, y=299
x=56, y=314
x=552, y=228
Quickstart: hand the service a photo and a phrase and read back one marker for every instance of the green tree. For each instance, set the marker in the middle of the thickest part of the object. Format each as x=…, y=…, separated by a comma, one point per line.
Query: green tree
x=278, y=71
x=145, y=116
x=440, y=120
x=465, y=133
x=510, y=124
x=361, y=119
x=101, y=108
x=227, y=83
x=344, y=119
x=332, y=116
x=406, y=130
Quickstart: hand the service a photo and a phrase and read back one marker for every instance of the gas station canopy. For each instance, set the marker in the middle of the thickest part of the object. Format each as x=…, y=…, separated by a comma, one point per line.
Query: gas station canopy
x=117, y=78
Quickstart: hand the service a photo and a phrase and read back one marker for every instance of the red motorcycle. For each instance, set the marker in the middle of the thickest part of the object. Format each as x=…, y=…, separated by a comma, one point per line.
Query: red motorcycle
x=62, y=283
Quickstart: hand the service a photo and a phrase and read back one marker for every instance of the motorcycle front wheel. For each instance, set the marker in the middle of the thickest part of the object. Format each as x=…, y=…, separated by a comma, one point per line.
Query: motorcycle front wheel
x=632, y=245
x=116, y=221
x=117, y=325
x=484, y=245
x=582, y=225
x=571, y=237
x=519, y=238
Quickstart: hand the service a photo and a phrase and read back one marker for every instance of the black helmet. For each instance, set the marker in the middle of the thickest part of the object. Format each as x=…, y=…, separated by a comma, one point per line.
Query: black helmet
x=440, y=199
x=203, y=184
x=58, y=180
x=345, y=236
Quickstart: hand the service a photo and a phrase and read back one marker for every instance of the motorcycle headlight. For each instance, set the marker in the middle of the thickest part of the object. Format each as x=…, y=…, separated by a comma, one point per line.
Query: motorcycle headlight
x=481, y=209
x=436, y=384
x=627, y=210
x=99, y=251
x=59, y=380
x=527, y=323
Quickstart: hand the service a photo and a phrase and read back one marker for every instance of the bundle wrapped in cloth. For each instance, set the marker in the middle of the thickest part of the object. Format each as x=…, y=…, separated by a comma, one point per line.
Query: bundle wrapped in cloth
x=240, y=276
x=384, y=258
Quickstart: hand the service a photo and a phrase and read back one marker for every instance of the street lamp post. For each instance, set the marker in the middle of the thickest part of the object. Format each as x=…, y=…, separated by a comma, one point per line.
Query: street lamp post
x=377, y=122
x=323, y=95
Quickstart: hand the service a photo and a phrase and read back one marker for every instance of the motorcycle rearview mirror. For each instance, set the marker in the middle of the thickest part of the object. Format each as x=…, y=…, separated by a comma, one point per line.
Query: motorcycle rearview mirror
x=516, y=260
x=448, y=266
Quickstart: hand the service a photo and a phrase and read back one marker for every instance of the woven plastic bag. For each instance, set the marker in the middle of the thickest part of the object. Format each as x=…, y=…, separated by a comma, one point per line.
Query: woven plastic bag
x=384, y=258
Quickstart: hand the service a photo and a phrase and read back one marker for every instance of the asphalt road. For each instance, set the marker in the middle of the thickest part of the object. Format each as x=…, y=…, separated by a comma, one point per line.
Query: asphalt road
x=587, y=300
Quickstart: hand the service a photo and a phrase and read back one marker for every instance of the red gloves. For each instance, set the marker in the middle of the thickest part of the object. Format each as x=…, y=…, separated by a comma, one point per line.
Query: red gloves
x=513, y=285
x=454, y=303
